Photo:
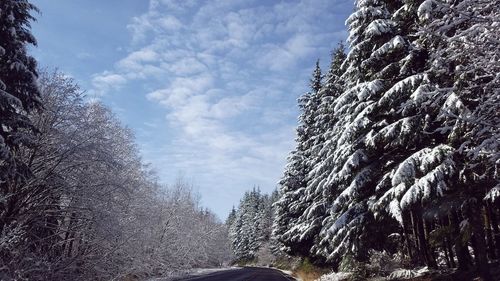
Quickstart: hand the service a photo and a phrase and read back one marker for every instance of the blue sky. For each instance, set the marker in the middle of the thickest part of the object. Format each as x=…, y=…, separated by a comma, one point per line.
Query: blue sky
x=208, y=87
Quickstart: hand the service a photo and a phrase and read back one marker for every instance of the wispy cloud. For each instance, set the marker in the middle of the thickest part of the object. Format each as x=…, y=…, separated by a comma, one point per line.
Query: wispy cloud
x=227, y=74
x=106, y=81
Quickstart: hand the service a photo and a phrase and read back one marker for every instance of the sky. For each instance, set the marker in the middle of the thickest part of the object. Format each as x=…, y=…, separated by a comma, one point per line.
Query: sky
x=209, y=88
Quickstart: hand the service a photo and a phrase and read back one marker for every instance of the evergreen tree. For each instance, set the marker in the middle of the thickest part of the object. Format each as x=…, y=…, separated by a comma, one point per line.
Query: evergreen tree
x=316, y=80
x=376, y=53
x=464, y=86
x=310, y=222
x=404, y=134
x=231, y=217
x=250, y=230
x=291, y=205
x=235, y=236
x=19, y=95
x=18, y=87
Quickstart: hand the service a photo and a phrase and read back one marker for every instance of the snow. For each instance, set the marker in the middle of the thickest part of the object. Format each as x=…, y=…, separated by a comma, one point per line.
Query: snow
x=335, y=276
x=379, y=27
x=425, y=9
x=396, y=92
x=352, y=163
x=384, y=182
x=354, y=52
x=9, y=99
x=362, y=92
x=346, y=218
x=366, y=12
x=355, y=21
x=453, y=104
x=423, y=187
x=408, y=273
x=436, y=167
x=421, y=94
x=406, y=170
x=493, y=194
x=395, y=43
x=395, y=211
x=394, y=134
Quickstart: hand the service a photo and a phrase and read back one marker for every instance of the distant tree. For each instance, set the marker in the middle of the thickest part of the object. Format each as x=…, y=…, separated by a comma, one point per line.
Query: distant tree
x=250, y=231
x=317, y=78
x=231, y=217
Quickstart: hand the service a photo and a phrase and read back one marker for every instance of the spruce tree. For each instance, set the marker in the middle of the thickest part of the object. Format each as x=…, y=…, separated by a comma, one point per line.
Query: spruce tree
x=18, y=87
x=231, y=217
x=374, y=128
x=310, y=222
x=405, y=135
x=19, y=95
x=291, y=205
x=464, y=86
x=317, y=77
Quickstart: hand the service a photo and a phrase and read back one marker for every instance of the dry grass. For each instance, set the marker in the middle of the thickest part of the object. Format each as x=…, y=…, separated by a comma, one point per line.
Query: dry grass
x=306, y=271
x=307, y=276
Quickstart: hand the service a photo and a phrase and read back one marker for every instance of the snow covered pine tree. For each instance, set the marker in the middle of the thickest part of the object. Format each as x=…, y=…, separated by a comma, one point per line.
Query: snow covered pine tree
x=412, y=142
x=287, y=228
x=250, y=227
x=18, y=96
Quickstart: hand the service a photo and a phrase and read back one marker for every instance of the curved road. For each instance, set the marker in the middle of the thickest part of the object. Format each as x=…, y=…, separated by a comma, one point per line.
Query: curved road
x=242, y=274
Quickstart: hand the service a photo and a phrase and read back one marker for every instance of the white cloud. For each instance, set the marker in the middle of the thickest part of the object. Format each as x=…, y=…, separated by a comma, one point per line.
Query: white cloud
x=225, y=73
x=186, y=66
x=281, y=58
x=181, y=89
x=232, y=106
x=170, y=23
x=107, y=81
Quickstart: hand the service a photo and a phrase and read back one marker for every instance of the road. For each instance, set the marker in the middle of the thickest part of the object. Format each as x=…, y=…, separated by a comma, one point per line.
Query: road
x=242, y=274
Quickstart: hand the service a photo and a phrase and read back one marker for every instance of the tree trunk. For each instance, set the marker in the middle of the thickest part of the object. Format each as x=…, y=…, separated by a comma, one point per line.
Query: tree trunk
x=463, y=255
x=489, y=235
x=474, y=215
x=419, y=257
x=494, y=226
x=431, y=259
x=422, y=242
x=448, y=251
x=407, y=240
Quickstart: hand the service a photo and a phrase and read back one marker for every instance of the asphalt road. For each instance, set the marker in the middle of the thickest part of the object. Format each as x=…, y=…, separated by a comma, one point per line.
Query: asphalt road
x=242, y=274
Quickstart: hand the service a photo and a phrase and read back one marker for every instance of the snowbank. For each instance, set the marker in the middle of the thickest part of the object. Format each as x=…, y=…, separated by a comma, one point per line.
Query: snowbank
x=335, y=276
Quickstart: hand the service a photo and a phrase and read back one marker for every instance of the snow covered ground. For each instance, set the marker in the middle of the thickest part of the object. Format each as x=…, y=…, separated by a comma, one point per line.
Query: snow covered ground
x=398, y=274
x=335, y=276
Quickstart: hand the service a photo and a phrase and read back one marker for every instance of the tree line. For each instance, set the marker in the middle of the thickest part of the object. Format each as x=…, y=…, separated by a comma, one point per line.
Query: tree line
x=249, y=228
x=76, y=200
x=397, y=146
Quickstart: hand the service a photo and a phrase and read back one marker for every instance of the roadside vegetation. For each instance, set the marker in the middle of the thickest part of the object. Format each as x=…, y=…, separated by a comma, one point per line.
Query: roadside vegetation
x=76, y=200
x=395, y=174
x=395, y=171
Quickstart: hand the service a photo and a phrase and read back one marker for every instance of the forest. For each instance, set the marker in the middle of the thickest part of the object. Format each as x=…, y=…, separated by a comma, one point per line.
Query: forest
x=397, y=148
x=76, y=200
x=395, y=167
